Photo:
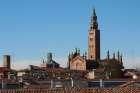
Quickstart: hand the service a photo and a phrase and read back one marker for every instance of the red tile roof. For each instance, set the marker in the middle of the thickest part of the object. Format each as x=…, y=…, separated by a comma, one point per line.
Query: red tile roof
x=4, y=69
x=74, y=90
x=100, y=70
x=8, y=80
x=53, y=69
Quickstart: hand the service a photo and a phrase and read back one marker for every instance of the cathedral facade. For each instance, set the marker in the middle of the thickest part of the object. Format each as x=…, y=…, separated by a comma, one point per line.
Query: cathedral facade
x=91, y=59
x=76, y=61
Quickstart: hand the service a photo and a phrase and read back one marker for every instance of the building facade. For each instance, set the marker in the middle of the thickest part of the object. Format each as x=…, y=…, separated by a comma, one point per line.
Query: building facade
x=92, y=59
x=76, y=61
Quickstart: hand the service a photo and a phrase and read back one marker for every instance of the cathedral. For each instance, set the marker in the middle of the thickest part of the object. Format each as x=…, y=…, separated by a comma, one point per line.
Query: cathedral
x=91, y=59
x=49, y=63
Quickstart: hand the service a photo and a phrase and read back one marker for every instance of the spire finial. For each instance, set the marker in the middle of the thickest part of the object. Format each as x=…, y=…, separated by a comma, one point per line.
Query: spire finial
x=118, y=54
x=114, y=55
x=94, y=11
x=121, y=58
x=108, y=55
x=78, y=51
x=43, y=61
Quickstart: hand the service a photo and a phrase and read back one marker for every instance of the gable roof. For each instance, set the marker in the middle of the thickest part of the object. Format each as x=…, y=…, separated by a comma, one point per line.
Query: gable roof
x=78, y=57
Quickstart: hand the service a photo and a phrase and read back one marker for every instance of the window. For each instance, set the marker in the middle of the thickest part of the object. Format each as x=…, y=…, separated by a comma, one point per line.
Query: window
x=91, y=39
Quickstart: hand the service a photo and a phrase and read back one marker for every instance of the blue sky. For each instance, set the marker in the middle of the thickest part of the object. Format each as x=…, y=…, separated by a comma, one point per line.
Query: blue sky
x=31, y=28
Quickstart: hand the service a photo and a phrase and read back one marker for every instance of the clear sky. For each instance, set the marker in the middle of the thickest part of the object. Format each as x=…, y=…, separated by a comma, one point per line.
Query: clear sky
x=31, y=28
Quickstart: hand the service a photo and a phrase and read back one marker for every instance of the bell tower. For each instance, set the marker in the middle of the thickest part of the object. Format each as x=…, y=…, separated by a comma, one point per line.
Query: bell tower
x=94, y=39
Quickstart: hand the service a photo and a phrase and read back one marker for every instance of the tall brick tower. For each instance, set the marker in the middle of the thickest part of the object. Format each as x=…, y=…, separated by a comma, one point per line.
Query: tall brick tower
x=94, y=39
x=7, y=61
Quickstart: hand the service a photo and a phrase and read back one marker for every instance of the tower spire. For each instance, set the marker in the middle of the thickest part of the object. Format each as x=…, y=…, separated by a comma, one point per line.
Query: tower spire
x=94, y=38
x=118, y=54
x=94, y=23
x=94, y=12
x=108, y=55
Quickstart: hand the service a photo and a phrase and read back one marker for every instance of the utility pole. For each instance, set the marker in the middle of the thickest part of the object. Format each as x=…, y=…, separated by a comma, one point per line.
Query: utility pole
x=51, y=84
x=71, y=82
x=101, y=83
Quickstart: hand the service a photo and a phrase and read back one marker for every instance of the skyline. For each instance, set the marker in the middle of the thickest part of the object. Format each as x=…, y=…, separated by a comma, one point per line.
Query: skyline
x=30, y=29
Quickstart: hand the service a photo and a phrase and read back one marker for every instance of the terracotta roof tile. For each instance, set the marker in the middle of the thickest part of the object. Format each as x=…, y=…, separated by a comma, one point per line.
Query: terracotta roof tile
x=74, y=90
x=4, y=69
